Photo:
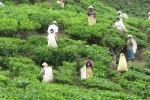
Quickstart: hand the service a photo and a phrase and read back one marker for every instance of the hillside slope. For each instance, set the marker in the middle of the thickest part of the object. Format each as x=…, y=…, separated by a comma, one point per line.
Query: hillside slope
x=21, y=59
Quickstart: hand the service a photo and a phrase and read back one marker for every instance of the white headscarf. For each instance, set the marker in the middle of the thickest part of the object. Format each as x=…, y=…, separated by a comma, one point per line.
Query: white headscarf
x=134, y=44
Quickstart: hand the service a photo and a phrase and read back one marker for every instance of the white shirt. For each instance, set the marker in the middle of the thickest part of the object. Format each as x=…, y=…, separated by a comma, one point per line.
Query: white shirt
x=54, y=27
x=120, y=26
x=149, y=17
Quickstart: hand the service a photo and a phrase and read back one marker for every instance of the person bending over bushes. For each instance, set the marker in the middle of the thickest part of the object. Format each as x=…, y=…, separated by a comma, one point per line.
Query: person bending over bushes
x=47, y=73
x=119, y=25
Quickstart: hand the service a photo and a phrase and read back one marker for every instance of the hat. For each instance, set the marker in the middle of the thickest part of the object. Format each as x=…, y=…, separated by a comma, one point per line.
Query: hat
x=117, y=17
x=54, y=22
x=130, y=36
x=119, y=12
x=45, y=64
x=149, y=13
x=90, y=7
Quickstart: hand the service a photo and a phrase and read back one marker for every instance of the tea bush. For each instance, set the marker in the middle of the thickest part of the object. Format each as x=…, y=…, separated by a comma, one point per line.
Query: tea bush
x=7, y=48
x=37, y=40
x=65, y=74
x=8, y=26
x=14, y=46
x=102, y=84
x=61, y=92
x=140, y=69
x=23, y=67
x=99, y=69
x=3, y=79
x=62, y=42
x=19, y=82
x=130, y=86
x=69, y=53
x=134, y=75
x=54, y=56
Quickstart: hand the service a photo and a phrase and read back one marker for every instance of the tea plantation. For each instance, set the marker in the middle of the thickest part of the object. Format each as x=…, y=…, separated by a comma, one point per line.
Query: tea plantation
x=23, y=48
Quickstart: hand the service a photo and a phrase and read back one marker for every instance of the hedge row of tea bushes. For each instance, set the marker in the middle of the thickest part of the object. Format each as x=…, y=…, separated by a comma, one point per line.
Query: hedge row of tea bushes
x=36, y=48
x=61, y=92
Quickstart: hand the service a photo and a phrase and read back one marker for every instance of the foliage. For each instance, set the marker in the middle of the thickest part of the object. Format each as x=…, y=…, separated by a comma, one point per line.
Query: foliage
x=102, y=84
x=7, y=48
x=37, y=40
x=64, y=74
x=3, y=79
x=61, y=92
x=19, y=76
x=69, y=52
x=147, y=53
x=138, y=8
x=13, y=46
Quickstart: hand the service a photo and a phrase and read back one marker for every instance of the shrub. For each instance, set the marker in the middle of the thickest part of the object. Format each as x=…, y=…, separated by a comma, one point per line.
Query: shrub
x=22, y=66
x=65, y=74
x=8, y=26
x=4, y=79
x=63, y=42
x=137, y=87
x=15, y=46
x=7, y=48
x=37, y=40
x=69, y=53
x=141, y=69
x=99, y=69
x=102, y=84
x=54, y=56
x=134, y=75
x=71, y=8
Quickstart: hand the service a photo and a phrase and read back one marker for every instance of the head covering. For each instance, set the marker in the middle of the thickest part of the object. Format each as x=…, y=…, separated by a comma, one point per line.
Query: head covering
x=90, y=7
x=1, y=4
x=54, y=22
x=130, y=36
x=117, y=17
x=119, y=12
x=89, y=57
x=149, y=13
x=45, y=64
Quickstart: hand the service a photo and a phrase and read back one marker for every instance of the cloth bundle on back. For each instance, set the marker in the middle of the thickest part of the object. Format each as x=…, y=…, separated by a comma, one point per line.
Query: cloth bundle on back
x=122, y=15
x=47, y=73
x=52, y=39
x=83, y=72
x=149, y=15
x=62, y=2
x=86, y=70
x=122, y=66
x=131, y=48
